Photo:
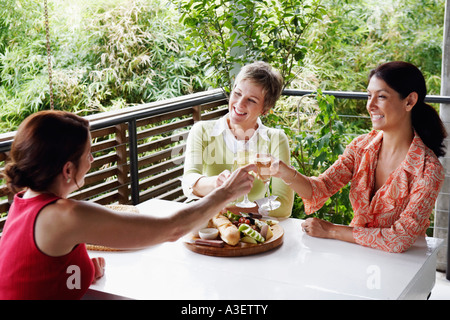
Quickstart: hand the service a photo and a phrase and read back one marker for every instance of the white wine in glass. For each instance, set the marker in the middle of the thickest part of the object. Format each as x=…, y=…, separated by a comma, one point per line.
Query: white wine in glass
x=263, y=161
x=245, y=155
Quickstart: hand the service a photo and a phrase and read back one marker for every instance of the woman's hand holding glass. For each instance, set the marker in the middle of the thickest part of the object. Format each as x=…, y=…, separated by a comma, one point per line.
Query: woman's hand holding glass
x=222, y=177
x=240, y=181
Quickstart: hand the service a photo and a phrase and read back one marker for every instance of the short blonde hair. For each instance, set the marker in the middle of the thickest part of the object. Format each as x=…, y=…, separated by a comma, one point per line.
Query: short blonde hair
x=262, y=73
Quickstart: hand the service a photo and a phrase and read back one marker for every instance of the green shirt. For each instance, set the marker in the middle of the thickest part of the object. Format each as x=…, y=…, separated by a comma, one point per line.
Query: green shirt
x=209, y=151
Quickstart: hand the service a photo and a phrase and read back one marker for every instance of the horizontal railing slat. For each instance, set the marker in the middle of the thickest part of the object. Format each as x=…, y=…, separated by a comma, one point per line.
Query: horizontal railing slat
x=160, y=167
x=162, y=155
x=90, y=192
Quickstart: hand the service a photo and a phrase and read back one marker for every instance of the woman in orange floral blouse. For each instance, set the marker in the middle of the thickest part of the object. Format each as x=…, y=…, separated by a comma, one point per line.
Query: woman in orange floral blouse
x=394, y=170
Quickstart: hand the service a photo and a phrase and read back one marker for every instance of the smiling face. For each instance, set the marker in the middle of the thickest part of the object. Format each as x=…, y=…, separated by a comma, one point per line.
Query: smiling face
x=387, y=110
x=246, y=104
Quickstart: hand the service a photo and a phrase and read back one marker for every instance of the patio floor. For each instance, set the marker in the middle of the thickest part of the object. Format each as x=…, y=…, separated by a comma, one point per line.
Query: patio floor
x=441, y=290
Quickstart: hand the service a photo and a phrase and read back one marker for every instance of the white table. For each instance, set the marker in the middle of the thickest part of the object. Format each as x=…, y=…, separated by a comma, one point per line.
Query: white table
x=303, y=267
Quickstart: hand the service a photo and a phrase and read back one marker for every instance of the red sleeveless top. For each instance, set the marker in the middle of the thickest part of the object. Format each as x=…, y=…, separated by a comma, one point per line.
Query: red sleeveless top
x=28, y=273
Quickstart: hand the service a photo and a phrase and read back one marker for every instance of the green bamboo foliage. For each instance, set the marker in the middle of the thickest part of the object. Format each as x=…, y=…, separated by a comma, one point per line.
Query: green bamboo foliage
x=105, y=55
x=231, y=33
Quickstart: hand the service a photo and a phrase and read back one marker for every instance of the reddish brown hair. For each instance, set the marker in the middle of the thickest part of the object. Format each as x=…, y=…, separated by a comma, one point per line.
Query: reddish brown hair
x=44, y=143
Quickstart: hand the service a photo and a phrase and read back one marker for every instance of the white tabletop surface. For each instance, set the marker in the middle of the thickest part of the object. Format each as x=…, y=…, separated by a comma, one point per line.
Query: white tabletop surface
x=303, y=267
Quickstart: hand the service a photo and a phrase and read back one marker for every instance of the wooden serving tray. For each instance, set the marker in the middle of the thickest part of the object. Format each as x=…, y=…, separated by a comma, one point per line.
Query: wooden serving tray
x=242, y=248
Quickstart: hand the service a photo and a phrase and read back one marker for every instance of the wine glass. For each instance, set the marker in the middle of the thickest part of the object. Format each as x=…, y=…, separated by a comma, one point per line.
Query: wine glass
x=263, y=161
x=244, y=155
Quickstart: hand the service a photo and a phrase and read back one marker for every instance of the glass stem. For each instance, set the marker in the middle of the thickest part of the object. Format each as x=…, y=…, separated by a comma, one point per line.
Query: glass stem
x=267, y=183
x=268, y=194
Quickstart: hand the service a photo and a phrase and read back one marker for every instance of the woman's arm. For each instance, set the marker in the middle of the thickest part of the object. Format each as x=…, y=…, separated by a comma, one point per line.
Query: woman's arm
x=291, y=177
x=193, y=164
x=323, y=229
x=403, y=232
x=205, y=185
x=199, y=146
x=315, y=191
x=414, y=218
x=62, y=225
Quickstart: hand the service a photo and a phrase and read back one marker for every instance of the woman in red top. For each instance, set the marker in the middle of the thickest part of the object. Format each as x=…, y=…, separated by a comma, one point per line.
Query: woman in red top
x=394, y=170
x=42, y=249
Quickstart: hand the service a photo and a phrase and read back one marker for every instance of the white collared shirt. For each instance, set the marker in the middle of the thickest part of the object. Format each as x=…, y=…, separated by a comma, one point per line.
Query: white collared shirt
x=221, y=127
x=211, y=146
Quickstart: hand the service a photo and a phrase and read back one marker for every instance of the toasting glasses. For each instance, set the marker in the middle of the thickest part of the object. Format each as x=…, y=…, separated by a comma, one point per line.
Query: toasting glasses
x=263, y=161
x=245, y=155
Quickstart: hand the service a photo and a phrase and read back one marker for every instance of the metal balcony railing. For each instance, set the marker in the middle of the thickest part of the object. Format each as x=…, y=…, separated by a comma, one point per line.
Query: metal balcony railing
x=138, y=151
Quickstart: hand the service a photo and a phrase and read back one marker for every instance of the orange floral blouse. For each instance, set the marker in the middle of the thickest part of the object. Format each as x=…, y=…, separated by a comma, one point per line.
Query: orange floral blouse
x=398, y=213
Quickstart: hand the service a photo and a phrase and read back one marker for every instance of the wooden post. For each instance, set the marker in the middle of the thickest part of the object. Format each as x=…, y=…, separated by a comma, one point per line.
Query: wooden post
x=122, y=167
x=197, y=114
x=134, y=165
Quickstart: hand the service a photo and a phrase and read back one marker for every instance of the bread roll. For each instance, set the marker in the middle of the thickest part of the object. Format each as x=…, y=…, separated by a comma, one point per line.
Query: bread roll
x=228, y=231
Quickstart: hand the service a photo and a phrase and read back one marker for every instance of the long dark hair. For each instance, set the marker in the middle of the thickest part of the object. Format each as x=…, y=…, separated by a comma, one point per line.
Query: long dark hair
x=405, y=78
x=44, y=143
